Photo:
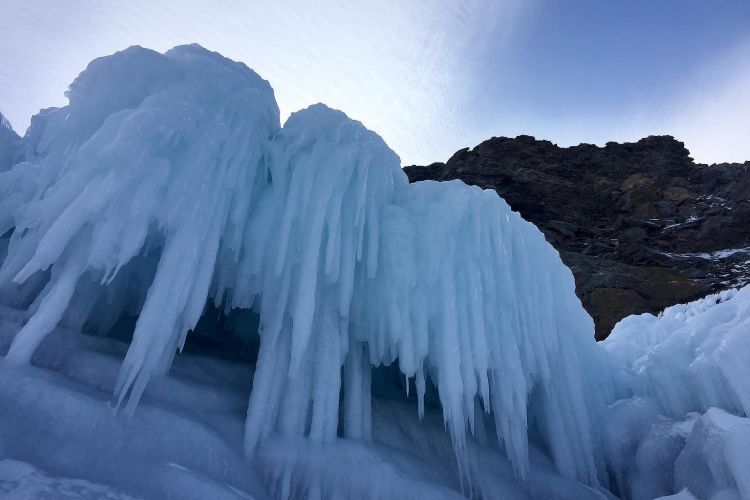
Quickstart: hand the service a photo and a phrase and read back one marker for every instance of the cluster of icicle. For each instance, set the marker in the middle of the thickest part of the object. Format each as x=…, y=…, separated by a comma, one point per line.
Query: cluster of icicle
x=167, y=181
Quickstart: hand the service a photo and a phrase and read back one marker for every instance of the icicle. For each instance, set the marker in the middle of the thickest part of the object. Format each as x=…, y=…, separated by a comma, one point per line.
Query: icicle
x=55, y=299
x=357, y=406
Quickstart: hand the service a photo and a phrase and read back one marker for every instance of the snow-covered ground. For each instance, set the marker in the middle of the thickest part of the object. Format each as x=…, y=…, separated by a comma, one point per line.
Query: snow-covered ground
x=200, y=303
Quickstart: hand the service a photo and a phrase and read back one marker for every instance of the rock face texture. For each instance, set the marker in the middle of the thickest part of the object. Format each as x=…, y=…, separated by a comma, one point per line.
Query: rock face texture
x=641, y=224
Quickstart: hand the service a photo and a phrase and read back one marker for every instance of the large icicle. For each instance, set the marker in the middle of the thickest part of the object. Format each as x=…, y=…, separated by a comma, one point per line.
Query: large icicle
x=153, y=193
x=150, y=143
x=472, y=293
x=332, y=179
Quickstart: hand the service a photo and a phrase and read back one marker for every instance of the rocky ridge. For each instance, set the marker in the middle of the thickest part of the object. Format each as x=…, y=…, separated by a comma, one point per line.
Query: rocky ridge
x=641, y=224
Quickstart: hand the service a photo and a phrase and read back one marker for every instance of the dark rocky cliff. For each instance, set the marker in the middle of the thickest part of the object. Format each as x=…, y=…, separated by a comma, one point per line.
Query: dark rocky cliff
x=641, y=225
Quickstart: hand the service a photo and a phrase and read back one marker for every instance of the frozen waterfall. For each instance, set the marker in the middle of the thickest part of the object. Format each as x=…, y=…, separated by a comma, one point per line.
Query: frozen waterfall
x=168, y=182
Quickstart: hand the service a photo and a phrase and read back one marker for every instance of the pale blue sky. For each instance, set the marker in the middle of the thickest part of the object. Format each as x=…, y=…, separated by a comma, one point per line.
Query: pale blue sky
x=431, y=77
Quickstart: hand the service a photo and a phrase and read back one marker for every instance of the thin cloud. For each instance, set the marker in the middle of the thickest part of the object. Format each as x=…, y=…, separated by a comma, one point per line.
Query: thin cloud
x=402, y=68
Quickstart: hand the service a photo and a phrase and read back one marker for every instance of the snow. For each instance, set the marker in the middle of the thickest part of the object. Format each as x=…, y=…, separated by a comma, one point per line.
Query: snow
x=716, y=255
x=221, y=307
x=689, y=220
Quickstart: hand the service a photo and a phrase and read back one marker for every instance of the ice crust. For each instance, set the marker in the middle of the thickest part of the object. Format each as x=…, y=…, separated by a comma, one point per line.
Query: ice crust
x=167, y=181
x=692, y=356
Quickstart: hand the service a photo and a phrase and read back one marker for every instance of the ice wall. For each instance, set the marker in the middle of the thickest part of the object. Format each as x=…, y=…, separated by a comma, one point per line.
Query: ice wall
x=691, y=356
x=151, y=153
x=167, y=182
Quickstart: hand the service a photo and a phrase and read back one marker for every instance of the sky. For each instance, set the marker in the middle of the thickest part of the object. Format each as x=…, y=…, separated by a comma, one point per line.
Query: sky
x=430, y=76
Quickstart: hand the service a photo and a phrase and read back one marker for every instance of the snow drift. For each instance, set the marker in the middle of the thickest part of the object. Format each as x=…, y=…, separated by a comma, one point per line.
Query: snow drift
x=168, y=182
x=692, y=356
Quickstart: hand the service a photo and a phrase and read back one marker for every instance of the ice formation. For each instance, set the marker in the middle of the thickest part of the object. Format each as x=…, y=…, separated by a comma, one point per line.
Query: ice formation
x=167, y=191
x=167, y=181
x=686, y=426
x=692, y=356
x=9, y=144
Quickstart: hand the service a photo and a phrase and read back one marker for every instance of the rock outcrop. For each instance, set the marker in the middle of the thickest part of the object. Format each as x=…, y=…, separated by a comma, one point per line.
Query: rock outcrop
x=641, y=224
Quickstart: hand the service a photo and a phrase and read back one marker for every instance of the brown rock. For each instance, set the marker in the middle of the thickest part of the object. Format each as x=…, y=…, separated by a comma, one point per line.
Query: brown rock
x=640, y=224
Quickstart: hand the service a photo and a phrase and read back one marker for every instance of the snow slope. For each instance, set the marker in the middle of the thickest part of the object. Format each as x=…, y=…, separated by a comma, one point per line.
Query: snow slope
x=692, y=356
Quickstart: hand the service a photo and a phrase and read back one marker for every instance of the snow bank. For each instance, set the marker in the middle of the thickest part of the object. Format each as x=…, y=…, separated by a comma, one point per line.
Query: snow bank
x=167, y=181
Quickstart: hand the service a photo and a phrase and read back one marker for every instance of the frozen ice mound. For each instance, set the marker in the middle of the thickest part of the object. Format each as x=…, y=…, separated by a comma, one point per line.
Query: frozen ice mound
x=691, y=356
x=716, y=458
x=167, y=182
x=685, y=427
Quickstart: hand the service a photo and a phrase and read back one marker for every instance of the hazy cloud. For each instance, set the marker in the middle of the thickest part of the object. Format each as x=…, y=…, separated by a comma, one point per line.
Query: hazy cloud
x=403, y=68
